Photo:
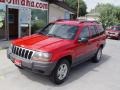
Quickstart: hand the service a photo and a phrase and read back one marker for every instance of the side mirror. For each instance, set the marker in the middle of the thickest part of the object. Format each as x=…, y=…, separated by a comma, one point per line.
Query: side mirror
x=84, y=40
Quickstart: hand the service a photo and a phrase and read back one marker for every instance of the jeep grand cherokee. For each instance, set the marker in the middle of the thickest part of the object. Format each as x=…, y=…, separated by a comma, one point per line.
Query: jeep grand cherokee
x=58, y=47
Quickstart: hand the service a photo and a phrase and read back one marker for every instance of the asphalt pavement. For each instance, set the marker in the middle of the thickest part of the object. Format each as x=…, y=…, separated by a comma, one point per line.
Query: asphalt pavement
x=87, y=76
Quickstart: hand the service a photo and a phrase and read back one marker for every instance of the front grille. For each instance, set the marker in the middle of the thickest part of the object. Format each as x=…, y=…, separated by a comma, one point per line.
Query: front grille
x=111, y=33
x=22, y=52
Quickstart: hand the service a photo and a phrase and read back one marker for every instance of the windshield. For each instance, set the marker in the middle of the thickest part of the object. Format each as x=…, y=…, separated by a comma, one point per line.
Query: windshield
x=115, y=28
x=60, y=31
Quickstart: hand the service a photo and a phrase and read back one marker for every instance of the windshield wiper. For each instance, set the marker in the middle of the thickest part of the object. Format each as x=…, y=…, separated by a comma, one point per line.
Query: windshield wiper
x=41, y=33
x=51, y=35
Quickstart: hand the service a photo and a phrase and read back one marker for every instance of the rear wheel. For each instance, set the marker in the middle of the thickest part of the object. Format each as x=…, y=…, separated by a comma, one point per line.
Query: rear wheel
x=97, y=56
x=61, y=72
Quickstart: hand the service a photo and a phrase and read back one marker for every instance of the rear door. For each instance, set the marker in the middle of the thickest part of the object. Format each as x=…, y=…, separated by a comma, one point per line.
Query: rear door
x=101, y=31
x=94, y=39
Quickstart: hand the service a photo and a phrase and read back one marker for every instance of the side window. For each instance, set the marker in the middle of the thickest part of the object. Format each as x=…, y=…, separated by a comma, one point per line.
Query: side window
x=84, y=33
x=100, y=29
x=93, y=31
x=97, y=30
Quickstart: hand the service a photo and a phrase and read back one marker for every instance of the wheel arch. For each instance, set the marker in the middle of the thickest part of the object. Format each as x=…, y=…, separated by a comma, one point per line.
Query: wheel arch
x=68, y=58
x=102, y=46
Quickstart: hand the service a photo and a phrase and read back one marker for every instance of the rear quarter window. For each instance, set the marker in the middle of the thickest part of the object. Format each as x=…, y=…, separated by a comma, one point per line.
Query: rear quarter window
x=93, y=30
x=100, y=29
x=84, y=33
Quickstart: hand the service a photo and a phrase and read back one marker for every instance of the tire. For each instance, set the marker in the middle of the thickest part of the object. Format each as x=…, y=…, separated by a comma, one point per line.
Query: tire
x=61, y=72
x=97, y=56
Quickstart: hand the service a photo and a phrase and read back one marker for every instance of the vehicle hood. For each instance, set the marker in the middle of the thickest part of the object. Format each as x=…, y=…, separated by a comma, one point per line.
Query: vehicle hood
x=41, y=42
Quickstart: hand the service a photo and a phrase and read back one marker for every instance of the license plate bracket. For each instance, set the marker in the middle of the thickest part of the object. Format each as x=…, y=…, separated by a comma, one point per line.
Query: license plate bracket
x=18, y=62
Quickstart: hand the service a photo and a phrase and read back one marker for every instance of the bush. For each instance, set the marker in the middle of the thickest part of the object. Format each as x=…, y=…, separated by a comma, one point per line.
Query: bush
x=37, y=25
x=109, y=14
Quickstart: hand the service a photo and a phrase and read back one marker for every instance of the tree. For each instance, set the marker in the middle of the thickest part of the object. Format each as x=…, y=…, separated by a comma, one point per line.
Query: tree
x=74, y=4
x=109, y=14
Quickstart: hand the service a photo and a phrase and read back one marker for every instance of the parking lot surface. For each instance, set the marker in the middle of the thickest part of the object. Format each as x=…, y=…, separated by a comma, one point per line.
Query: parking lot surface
x=87, y=76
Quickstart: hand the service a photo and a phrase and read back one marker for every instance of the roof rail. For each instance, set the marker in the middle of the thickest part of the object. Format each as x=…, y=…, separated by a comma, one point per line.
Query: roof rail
x=88, y=21
x=81, y=21
x=62, y=19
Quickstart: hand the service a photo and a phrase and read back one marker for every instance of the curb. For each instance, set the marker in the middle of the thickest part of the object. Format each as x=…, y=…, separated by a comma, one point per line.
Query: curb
x=3, y=48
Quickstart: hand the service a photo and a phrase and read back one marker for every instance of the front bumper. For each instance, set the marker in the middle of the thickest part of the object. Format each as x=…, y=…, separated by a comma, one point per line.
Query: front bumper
x=44, y=68
x=112, y=35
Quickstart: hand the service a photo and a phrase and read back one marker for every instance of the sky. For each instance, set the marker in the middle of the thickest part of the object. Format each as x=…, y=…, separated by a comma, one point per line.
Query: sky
x=92, y=3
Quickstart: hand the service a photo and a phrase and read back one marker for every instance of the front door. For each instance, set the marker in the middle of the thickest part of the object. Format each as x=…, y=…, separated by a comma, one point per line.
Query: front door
x=13, y=23
x=83, y=48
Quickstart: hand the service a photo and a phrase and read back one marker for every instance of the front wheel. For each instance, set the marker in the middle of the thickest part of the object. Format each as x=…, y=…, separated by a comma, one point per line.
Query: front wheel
x=61, y=72
x=97, y=56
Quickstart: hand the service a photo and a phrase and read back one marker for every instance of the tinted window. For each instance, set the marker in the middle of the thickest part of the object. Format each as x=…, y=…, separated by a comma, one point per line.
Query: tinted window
x=60, y=31
x=100, y=29
x=115, y=28
x=93, y=31
x=84, y=33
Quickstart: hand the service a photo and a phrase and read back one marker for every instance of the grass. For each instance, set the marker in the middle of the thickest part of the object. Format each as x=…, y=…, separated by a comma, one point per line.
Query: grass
x=2, y=48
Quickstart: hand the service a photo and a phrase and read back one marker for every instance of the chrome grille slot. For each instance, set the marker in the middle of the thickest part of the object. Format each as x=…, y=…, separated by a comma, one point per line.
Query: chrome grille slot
x=22, y=52
x=17, y=51
x=30, y=54
x=26, y=54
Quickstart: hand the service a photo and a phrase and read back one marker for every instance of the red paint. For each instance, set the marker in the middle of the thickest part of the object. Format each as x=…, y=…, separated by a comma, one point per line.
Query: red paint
x=62, y=47
x=3, y=1
x=18, y=62
x=113, y=33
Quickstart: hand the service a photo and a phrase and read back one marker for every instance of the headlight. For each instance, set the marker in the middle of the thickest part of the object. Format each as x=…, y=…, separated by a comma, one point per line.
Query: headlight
x=116, y=34
x=41, y=56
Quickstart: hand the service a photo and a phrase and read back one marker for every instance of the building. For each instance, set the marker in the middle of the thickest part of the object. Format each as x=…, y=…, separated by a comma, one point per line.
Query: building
x=19, y=18
x=58, y=9
x=93, y=16
x=90, y=17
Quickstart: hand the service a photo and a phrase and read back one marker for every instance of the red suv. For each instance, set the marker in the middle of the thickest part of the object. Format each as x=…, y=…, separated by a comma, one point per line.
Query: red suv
x=58, y=47
x=113, y=32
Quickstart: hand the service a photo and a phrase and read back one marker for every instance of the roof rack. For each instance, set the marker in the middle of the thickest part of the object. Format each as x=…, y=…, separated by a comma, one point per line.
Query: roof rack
x=88, y=21
x=62, y=19
x=81, y=21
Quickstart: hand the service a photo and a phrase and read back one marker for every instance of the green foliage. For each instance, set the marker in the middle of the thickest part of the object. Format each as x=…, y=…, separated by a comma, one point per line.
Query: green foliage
x=41, y=15
x=37, y=25
x=74, y=4
x=1, y=24
x=109, y=14
x=39, y=19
